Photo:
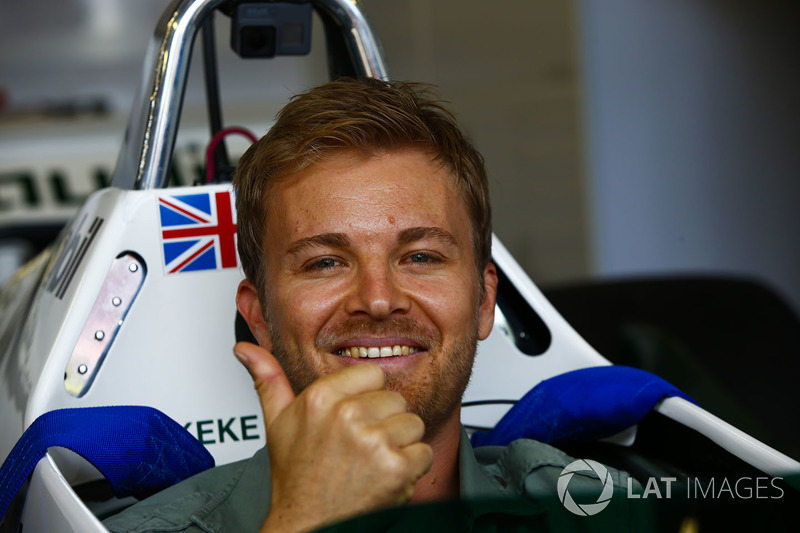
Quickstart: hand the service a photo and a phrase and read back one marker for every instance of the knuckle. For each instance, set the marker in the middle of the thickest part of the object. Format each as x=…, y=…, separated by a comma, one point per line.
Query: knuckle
x=416, y=422
x=376, y=441
x=428, y=455
x=413, y=426
x=349, y=411
x=397, y=468
x=419, y=428
x=317, y=397
x=420, y=457
x=398, y=399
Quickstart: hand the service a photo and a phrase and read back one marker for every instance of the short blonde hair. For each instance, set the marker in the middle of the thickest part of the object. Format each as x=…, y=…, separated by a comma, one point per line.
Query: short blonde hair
x=364, y=115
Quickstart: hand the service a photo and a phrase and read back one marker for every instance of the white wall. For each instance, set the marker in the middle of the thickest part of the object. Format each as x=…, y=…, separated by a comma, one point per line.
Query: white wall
x=509, y=71
x=693, y=134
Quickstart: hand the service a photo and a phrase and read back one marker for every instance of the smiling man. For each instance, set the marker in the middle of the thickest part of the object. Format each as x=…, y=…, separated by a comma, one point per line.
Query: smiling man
x=367, y=258
x=364, y=231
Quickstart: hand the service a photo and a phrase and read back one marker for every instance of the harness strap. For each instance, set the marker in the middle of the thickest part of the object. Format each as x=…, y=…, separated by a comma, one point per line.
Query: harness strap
x=581, y=405
x=140, y=450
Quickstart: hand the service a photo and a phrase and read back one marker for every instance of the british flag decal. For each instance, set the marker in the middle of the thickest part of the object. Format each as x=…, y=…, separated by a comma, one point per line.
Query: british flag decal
x=198, y=231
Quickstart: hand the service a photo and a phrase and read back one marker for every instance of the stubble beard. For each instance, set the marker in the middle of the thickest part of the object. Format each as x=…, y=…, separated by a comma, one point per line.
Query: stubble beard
x=434, y=396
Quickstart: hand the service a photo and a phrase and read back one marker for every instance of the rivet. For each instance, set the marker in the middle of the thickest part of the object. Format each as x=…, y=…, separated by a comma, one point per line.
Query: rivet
x=116, y=301
x=82, y=369
x=99, y=334
x=133, y=267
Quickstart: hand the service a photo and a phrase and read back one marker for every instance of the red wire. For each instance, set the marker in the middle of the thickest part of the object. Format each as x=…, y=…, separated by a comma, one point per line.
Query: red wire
x=215, y=140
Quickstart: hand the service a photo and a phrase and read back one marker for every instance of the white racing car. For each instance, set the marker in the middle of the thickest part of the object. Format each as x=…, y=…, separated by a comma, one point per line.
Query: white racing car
x=133, y=305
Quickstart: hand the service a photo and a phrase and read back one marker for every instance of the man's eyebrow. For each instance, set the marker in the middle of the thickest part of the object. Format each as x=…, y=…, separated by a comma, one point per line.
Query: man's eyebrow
x=417, y=234
x=338, y=240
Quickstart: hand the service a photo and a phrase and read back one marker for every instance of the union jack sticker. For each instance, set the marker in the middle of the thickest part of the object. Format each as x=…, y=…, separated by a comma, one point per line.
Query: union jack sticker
x=198, y=231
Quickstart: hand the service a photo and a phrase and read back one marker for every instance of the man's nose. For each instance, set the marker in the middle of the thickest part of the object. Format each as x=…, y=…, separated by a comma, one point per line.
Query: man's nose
x=376, y=292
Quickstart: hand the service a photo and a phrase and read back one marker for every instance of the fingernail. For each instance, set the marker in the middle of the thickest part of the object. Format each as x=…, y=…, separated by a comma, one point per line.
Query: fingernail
x=242, y=359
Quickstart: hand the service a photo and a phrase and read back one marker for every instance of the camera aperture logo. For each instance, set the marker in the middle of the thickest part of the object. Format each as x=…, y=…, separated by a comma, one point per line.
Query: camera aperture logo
x=585, y=509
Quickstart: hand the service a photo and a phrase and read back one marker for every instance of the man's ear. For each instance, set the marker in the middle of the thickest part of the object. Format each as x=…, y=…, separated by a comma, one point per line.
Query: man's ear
x=250, y=308
x=486, y=310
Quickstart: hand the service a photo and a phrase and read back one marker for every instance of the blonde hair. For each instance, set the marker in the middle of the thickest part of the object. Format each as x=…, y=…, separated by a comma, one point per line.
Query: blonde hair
x=364, y=115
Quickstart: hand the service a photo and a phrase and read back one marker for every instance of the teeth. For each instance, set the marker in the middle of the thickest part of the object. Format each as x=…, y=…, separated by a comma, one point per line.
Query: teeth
x=373, y=352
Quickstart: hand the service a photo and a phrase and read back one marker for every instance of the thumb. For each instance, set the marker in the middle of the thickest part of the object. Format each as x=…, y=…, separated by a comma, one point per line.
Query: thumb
x=270, y=380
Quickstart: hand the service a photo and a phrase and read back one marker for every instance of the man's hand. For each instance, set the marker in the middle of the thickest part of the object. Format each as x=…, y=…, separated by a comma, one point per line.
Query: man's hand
x=344, y=446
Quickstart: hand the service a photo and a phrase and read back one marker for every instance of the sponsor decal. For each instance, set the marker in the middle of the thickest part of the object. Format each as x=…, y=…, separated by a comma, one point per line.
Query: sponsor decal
x=36, y=188
x=220, y=430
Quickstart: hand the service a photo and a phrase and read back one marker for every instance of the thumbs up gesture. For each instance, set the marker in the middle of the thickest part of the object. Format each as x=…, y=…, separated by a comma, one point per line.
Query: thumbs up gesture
x=342, y=447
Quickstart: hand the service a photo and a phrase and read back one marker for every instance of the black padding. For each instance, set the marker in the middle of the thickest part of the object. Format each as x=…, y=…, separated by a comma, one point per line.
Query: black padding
x=730, y=343
x=242, y=330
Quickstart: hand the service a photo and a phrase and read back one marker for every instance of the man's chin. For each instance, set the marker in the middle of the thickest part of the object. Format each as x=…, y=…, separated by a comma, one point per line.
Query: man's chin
x=431, y=383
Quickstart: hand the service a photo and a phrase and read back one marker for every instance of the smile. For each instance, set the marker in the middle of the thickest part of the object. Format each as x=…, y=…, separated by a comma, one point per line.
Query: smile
x=361, y=352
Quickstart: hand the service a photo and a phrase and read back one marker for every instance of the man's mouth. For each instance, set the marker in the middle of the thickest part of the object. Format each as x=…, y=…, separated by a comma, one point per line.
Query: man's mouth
x=372, y=352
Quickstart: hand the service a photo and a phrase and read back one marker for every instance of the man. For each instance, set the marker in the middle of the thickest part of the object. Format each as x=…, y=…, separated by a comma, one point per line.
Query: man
x=365, y=235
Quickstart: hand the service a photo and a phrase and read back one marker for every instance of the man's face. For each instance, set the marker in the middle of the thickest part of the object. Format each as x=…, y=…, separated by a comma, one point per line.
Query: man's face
x=374, y=255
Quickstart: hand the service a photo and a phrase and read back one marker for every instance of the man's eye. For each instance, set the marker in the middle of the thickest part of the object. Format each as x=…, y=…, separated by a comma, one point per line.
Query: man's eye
x=326, y=263
x=422, y=257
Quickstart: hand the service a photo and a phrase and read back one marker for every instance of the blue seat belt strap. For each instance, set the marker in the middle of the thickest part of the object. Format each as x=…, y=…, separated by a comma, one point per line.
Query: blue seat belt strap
x=581, y=405
x=140, y=450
